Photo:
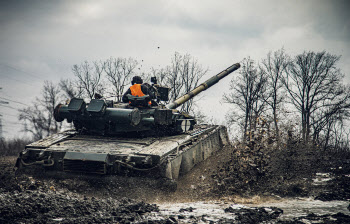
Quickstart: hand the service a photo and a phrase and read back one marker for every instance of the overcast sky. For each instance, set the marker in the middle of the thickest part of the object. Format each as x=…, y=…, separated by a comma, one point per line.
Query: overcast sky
x=41, y=40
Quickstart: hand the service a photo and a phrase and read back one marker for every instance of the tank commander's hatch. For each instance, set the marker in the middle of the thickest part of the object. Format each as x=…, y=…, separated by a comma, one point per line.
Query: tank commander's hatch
x=139, y=100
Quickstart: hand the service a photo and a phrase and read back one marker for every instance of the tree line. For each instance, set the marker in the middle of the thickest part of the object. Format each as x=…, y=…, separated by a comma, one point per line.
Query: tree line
x=305, y=94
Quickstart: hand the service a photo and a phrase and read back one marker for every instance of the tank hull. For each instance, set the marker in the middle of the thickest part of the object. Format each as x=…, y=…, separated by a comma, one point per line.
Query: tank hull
x=168, y=157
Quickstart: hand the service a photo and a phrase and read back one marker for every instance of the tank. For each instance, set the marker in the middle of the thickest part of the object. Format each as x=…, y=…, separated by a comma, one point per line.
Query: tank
x=143, y=137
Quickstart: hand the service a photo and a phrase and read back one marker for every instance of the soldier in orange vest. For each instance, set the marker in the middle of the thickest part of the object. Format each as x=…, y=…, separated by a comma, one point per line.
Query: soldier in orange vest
x=137, y=89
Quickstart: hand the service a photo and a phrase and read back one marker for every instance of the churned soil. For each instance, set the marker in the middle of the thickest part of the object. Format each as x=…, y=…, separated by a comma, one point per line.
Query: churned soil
x=26, y=199
x=236, y=173
x=50, y=207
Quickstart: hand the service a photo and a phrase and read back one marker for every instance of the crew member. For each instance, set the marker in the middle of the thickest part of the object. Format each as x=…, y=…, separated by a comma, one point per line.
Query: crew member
x=137, y=89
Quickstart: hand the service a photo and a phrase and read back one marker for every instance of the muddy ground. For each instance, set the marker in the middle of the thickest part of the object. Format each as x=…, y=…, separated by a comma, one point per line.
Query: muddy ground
x=235, y=175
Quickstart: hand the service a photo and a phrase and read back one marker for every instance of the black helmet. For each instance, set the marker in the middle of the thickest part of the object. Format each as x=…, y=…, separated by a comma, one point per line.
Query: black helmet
x=136, y=80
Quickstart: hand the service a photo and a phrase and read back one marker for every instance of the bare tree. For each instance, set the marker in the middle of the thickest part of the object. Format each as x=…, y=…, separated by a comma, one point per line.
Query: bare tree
x=336, y=136
x=38, y=119
x=274, y=66
x=330, y=128
x=181, y=76
x=49, y=100
x=247, y=93
x=69, y=89
x=34, y=121
x=89, y=77
x=325, y=121
x=119, y=72
x=191, y=73
x=313, y=84
x=174, y=78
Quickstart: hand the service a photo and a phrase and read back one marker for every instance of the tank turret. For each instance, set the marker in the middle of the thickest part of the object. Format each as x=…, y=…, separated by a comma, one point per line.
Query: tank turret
x=103, y=117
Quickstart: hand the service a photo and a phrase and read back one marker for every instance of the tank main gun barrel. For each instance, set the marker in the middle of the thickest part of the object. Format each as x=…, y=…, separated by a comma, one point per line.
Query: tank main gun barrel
x=205, y=85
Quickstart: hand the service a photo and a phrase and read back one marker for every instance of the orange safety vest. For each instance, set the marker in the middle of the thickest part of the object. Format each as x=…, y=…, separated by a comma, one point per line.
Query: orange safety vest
x=136, y=91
